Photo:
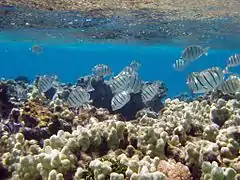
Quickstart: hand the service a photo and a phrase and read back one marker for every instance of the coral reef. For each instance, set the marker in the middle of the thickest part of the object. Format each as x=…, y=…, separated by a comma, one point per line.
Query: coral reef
x=45, y=138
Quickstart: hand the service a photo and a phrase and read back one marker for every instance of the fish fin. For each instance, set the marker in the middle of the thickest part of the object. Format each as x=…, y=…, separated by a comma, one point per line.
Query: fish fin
x=226, y=71
x=206, y=51
x=55, y=96
x=108, y=82
x=233, y=76
x=89, y=85
x=129, y=91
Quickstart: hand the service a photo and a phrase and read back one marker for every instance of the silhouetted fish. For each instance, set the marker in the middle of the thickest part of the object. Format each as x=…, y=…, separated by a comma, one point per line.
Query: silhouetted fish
x=36, y=49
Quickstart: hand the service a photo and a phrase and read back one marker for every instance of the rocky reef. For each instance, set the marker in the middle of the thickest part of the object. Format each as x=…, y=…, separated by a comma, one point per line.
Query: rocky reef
x=175, y=139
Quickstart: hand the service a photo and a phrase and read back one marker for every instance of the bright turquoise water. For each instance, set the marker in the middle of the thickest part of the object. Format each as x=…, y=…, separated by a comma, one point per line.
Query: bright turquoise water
x=74, y=42
x=71, y=61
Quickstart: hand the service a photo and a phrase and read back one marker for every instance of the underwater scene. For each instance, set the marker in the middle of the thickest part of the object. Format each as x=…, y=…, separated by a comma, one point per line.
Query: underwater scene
x=120, y=90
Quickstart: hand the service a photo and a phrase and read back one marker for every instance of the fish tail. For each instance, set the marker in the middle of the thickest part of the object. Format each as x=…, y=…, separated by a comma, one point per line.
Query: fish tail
x=206, y=50
x=226, y=70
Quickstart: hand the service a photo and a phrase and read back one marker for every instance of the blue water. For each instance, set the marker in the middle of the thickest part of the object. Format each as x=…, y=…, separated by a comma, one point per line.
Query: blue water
x=71, y=61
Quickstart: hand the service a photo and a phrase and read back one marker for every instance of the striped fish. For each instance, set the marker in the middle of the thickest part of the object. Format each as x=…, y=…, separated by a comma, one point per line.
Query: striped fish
x=205, y=81
x=78, y=97
x=130, y=69
x=149, y=91
x=45, y=83
x=135, y=83
x=126, y=71
x=119, y=83
x=231, y=85
x=193, y=52
x=180, y=64
x=102, y=70
x=119, y=100
x=233, y=61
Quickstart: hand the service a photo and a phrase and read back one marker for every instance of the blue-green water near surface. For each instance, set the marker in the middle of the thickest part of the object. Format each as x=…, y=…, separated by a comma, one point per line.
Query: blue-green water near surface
x=70, y=62
x=73, y=43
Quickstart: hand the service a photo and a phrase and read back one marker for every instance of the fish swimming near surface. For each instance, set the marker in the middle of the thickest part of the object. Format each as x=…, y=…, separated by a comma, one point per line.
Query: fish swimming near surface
x=36, y=49
x=193, y=52
x=119, y=100
x=231, y=85
x=101, y=70
x=78, y=97
x=45, y=82
x=206, y=80
x=180, y=65
x=150, y=91
x=233, y=61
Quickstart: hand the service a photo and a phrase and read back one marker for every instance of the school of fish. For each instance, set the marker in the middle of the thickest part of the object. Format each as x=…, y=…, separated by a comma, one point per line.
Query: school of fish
x=122, y=85
x=210, y=79
x=128, y=81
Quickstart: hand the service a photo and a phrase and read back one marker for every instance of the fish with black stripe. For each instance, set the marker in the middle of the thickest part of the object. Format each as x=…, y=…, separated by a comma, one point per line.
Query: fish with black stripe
x=119, y=100
x=150, y=91
x=180, y=64
x=135, y=83
x=193, y=52
x=78, y=97
x=131, y=68
x=45, y=82
x=118, y=83
x=231, y=85
x=206, y=80
x=131, y=82
x=233, y=61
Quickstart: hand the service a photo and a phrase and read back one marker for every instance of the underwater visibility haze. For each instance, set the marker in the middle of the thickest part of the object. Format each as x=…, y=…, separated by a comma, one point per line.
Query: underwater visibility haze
x=120, y=90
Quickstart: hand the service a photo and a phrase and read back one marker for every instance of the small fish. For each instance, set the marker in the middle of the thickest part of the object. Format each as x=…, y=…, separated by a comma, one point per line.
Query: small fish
x=233, y=61
x=119, y=100
x=149, y=91
x=231, y=85
x=78, y=97
x=205, y=81
x=102, y=70
x=180, y=64
x=36, y=49
x=45, y=83
x=193, y=52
